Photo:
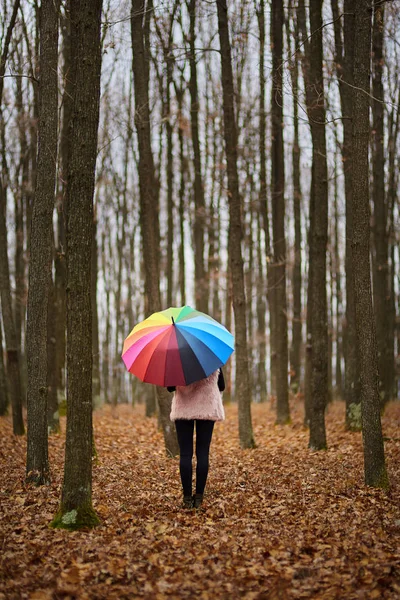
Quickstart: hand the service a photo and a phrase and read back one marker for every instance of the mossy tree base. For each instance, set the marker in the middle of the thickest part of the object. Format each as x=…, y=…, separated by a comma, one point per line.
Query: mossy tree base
x=83, y=517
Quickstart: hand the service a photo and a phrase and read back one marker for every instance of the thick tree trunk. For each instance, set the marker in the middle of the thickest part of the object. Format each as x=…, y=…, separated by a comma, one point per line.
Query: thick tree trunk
x=374, y=457
x=242, y=386
x=278, y=215
x=148, y=200
x=41, y=250
x=76, y=502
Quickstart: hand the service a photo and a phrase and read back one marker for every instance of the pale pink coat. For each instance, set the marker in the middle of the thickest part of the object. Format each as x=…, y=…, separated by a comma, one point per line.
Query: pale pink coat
x=200, y=400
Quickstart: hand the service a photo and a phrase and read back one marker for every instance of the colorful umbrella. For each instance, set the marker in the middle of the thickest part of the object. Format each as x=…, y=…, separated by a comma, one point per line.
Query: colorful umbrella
x=177, y=346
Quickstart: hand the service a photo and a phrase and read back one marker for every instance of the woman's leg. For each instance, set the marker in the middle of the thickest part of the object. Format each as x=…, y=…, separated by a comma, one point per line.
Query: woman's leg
x=204, y=431
x=184, y=431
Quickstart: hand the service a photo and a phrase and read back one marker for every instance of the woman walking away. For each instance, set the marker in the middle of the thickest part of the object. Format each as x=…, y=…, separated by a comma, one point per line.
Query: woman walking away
x=199, y=403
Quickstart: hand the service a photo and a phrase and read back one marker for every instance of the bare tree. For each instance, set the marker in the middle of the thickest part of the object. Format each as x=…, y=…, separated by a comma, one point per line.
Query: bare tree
x=148, y=201
x=76, y=501
x=278, y=215
x=10, y=334
x=344, y=58
x=374, y=456
x=242, y=381
x=380, y=264
x=317, y=333
x=41, y=250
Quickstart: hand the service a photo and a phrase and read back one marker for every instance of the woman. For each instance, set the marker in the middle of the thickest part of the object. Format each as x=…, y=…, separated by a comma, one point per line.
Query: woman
x=198, y=402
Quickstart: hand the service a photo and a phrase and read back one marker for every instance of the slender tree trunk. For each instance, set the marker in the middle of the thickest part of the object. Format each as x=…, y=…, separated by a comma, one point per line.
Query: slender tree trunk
x=201, y=283
x=381, y=287
x=95, y=317
x=338, y=289
x=148, y=200
x=374, y=457
x=278, y=215
x=76, y=502
x=41, y=251
x=344, y=60
x=297, y=338
x=182, y=185
x=11, y=341
x=242, y=385
x=317, y=333
x=392, y=199
x=53, y=415
x=263, y=197
x=3, y=378
x=59, y=261
x=261, y=321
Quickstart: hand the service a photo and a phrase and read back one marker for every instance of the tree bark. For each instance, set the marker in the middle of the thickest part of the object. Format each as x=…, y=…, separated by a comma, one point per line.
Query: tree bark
x=374, y=457
x=317, y=334
x=278, y=215
x=13, y=363
x=381, y=284
x=148, y=200
x=201, y=283
x=3, y=378
x=344, y=59
x=297, y=325
x=76, y=502
x=41, y=250
x=235, y=234
x=64, y=149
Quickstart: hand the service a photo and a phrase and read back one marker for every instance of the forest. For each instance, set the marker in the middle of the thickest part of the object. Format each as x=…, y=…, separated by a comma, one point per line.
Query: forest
x=240, y=158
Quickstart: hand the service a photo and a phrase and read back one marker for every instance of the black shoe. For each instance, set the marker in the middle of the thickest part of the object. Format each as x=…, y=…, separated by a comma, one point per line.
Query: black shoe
x=187, y=502
x=197, y=500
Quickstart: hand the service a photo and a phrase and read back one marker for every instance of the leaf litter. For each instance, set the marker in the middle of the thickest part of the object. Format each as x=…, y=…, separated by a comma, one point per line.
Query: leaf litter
x=278, y=522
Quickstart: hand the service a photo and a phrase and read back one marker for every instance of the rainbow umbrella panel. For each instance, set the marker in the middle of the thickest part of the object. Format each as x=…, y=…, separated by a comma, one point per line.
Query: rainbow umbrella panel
x=177, y=346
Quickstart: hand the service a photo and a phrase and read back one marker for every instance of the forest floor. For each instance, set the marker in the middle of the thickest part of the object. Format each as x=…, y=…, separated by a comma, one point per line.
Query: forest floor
x=277, y=522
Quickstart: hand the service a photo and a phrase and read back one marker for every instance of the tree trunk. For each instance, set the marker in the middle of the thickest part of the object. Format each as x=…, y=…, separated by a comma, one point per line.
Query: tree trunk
x=263, y=196
x=297, y=338
x=278, y=215
x=374, y=457
x=76, y=502
x=53, y=416
x=235, y=235
x=3, y=378
x=95, y=317
x=201, y=284
x=13, y=366
x=41, y=250
x=381, y=287
x=148, y=200
x=317, y=334
x=59, y=261
x=344, y=60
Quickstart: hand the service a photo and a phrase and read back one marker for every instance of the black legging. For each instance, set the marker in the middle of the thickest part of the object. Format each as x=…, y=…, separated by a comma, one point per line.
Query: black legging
x=204, y=431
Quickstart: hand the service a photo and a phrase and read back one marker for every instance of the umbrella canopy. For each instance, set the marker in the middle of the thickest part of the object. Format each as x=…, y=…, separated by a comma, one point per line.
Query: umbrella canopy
x=177, y=346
